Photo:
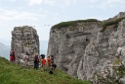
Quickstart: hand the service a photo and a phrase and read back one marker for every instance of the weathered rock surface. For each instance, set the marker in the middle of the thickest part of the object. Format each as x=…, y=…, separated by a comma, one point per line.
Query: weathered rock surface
x=82, y=49
x=111, y=72
x=24, y=40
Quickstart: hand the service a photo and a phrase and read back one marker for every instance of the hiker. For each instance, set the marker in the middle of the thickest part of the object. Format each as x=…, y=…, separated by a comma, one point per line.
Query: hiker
x=26, y=59
x=12, y=56
x=36, y=62
x=49, y=61
x=52, y=70
x=53, y=65
x=43, y=63
x=52, y=58
x=42, y=56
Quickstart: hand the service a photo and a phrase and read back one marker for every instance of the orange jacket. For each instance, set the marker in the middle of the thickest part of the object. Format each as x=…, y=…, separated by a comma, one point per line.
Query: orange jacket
x=44, y=62
x=49, y=61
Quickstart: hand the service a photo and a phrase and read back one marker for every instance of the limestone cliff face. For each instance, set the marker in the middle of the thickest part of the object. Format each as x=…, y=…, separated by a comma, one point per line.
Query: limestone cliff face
x=82, y=49
x=24, y=40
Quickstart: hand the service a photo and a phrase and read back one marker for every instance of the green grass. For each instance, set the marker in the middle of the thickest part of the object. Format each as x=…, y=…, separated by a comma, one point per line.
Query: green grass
x=110, y=23
x=73, y=23
x=105, y=24
x=117, y=62
x=14, y=74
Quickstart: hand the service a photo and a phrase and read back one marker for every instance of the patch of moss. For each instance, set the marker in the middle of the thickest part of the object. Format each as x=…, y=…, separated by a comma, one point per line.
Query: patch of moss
x=117, y=62
x=110, y=23
x=73, y=23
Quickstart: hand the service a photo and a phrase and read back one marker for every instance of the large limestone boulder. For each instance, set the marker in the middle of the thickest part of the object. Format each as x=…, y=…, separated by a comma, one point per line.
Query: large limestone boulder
x=24, y=40
x=68, y=44
x=82, y=47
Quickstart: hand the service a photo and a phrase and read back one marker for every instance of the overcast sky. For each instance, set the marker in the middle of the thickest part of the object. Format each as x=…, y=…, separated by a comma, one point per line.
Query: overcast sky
x=43, y=14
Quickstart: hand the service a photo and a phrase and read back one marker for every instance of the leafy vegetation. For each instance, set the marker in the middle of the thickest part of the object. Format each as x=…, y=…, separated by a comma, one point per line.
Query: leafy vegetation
x=73, y=23
x=14, y=74
x=110, y=23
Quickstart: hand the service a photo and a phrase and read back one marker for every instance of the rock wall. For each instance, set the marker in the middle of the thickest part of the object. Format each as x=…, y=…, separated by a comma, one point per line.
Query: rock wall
x=24, y=40
x=81, y=49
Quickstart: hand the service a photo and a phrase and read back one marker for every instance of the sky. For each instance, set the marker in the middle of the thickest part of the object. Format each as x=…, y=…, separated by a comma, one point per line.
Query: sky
x=43, y=14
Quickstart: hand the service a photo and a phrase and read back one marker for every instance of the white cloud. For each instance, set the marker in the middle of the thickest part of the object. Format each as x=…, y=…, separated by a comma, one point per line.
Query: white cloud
x=35, y=2
x=6, y=15
x=39, y=2
x=52, y=2
x=113, y=3
x=11, y=0
x=106, y=3
x=92, y=1
x=69, y=2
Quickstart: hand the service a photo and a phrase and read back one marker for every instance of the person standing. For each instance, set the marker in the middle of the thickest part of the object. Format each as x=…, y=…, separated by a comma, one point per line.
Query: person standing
x=12, y=56
x=26, y=59
x=52, y=58
x=49, y=62
x=36, y=62
x=53, y=65
x=44, y=63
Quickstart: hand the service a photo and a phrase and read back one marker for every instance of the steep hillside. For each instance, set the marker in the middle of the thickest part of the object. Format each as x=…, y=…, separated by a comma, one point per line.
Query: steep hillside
x=14, y=74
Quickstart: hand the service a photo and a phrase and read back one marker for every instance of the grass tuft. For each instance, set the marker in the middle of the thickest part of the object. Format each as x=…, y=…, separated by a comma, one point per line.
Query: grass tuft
x=73, y=23
x=110, y=23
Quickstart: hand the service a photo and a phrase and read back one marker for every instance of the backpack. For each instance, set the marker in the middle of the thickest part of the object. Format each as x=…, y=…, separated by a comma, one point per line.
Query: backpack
x=50, y=72
x=43, y=56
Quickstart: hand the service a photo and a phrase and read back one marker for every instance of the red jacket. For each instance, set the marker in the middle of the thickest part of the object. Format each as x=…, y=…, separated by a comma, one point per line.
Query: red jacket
x=12, y=58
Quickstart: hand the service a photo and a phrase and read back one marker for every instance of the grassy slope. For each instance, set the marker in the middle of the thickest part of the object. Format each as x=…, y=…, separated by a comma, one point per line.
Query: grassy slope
x=73, y=23
x=13, y=74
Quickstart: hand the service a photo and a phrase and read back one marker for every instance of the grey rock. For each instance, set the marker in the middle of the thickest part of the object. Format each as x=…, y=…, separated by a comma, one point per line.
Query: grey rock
x=82, y=50
x=24, y=40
